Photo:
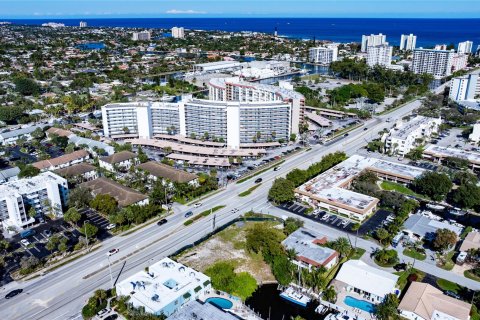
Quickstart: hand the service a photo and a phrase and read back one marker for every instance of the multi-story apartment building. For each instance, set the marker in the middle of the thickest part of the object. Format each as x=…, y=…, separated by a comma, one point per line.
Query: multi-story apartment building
x=379, y=55
x=465, y=47
x=323, y=55
x=408, y=42
x=373, y=40
x=435, y=62
x=45, y=193
x=459, y=61
x=178, y=33
x=464, y=88
x=141, y=36
x=237, y=113
x=83, y=24
x=405, y=136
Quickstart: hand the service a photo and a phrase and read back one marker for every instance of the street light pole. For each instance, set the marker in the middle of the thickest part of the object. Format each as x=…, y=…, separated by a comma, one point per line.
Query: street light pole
x=86, y=234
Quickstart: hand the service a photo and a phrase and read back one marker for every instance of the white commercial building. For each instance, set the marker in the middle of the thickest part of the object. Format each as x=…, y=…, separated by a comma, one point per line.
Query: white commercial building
x=217, y=66
x=464, y=88
x=141, y=36
x=237, y=112
x=405, y=136
x=379, y=55
x=465, y=47
x=178, y=33
x=408, y=42
x=435, y=62
x=373, y=40
x=164, y=287
x=323, y=55
x=46, y=193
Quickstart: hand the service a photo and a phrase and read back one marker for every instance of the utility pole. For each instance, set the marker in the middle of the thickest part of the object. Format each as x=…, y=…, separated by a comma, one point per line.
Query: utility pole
x=86, y=234
x=110, y=269
x=213, y=220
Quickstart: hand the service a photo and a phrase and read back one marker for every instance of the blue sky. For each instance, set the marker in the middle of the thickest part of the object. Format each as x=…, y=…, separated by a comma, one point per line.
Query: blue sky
x=239, y=8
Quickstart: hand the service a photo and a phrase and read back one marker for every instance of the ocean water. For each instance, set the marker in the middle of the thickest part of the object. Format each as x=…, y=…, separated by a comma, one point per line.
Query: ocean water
x=429, y=31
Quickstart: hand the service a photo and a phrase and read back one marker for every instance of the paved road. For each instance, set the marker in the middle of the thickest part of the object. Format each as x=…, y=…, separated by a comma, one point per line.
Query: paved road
x=61, y=293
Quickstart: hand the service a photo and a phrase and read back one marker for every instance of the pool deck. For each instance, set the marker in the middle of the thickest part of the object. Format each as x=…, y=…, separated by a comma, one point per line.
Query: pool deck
x=345, y=310
x=238, y=307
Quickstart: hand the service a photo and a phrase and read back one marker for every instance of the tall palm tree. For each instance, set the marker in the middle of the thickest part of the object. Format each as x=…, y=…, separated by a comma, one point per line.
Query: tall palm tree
x=342, y=246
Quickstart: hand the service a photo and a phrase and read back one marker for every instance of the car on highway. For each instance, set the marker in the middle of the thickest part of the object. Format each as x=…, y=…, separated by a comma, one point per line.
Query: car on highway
x=198, y=204
x=258, y=180
x=13, y=293
x=345, y=135
x=188, y=214
x=112, y=252
x=103, y=312
x=276, y=168
x=25, y=242
x=111, y=226
x=365, y=129
x=162, y=222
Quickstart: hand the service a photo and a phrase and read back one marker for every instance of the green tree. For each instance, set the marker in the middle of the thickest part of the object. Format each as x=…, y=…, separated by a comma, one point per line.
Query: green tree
x=386, y=257
x=291, y=225
x=72, y=215
x=38, y=134
x=416, y=153
x=26, y=86
x=433, y=184
x=281, y=191
x=79, y=198
x=142, y=156
x=11, y=113
x=330, y=294
x=32, y=213
x=444, y=239
x=382, y=234
x=342, y=246
x=104, y=203
x=88, y=230
x=28, y=171
x=388, y=309
x=466, y=196
x=52, y=243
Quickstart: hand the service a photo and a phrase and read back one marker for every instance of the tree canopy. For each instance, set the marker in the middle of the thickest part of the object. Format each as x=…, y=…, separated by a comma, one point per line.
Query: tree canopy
x=433, y=184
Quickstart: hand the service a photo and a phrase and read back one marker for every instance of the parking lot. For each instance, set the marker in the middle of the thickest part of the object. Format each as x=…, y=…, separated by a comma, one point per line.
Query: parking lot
x=97, y=220
x=294, y=207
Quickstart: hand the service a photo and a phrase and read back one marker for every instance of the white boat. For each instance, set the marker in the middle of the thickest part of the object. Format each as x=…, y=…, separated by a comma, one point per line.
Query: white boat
x=435, y=207
x=321, y=309
x=293, y=295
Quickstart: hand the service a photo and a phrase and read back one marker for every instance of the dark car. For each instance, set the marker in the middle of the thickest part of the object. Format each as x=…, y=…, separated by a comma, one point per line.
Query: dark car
x=345, y=135
x=13, y=293
x=258, y=180
x=400, y=266
x=111, y=317
x=188, y=214
x=365, y=129
x=162, y=222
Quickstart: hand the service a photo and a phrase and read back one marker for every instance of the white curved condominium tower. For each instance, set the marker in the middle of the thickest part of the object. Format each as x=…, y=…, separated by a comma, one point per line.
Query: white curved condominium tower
x=237, y=112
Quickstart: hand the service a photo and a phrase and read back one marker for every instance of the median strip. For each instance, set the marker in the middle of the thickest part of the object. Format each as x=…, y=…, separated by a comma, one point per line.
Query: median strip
x=203, y=214
x=249, y=191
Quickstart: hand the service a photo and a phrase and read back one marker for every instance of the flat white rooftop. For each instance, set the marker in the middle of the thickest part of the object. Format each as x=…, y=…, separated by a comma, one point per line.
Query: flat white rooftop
x=408, y=127
x=164, y=283
x=29, y=185
x=443, y=152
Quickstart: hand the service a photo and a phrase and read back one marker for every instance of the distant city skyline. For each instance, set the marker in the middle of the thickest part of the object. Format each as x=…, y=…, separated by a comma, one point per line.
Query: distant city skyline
x=23, y=9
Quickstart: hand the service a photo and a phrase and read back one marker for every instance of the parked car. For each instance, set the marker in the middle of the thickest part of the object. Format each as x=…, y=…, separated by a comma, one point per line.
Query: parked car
x=258, y=180
x=162, y=222
x=25, y=242
x=188, y=214
x=27, y=233
x=112, y=252
x=47, y=233
x=111, y=226
x=103, y=312
x=112, y=317
x=13, y=293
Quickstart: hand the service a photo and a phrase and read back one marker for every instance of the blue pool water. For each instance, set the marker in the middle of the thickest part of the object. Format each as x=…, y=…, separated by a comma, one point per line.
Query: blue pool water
x=360, y=304
x=220, y=302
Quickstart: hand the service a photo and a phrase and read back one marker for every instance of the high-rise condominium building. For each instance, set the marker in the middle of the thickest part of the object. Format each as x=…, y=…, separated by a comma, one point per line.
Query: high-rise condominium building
x=465, y=47
x=435, y=62
x=379, y=55
x=408, y=42
x=323, y=55
x=237, y=112
x=141, y=36
x=45, y=193
x=83, y=24
x=464, y=88
x=440, y=47
x=459, y=61
x=373, y=40
x=178, y=32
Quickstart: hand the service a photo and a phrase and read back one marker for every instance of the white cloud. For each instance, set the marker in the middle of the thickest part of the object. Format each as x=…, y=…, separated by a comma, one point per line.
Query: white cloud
x=175, y=11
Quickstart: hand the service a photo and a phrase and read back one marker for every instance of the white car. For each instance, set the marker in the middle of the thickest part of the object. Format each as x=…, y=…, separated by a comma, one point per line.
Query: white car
x=196, y=205
x=112, y=252
x=111, y=226
x=24, y=242
x=103, y=312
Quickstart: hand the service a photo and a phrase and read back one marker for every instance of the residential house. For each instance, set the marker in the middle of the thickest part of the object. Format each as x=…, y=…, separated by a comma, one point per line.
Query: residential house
x=125, y=196
x=64, y=161
x=165, y=172
x=120, y=161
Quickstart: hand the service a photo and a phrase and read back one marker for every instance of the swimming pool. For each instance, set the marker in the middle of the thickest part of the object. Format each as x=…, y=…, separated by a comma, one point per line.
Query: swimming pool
x=220, y=302
x=360, y=304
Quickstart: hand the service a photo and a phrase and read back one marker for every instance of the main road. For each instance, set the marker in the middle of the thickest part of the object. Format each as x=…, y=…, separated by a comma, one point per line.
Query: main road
x=61, y=293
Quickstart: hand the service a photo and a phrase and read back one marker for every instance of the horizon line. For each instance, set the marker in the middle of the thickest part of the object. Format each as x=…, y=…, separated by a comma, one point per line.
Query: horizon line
x=231, y=17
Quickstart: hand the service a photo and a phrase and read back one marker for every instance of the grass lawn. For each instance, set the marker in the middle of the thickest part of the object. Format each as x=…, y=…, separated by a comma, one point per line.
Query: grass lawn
x=392, y=186
x=247, y=192
x=412, y=253
x=357, y=254
x=403, y=277
x=469, y=274
x=448, y=285
x=384, y=265
x=465, y=231
x=203, y=214
x=446, y=262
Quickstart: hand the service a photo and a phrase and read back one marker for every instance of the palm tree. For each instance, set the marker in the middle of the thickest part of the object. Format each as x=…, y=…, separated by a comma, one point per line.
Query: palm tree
x=330, y=294
x=342, y=246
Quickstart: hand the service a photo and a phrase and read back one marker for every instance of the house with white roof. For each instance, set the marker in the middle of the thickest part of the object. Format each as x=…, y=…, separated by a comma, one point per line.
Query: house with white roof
x=373, y=284
x=165, y=287
x=419, y=227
